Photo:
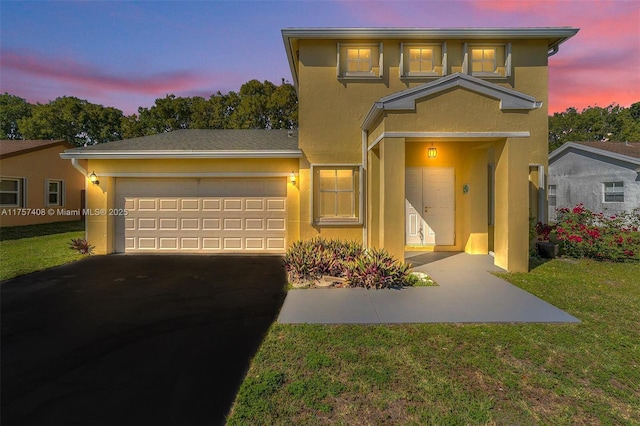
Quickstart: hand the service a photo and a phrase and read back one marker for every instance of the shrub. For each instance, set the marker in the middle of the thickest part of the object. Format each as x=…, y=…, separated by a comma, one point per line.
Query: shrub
x=307, y=261
x=376, y=268
x=81, y=246
x=584, y=233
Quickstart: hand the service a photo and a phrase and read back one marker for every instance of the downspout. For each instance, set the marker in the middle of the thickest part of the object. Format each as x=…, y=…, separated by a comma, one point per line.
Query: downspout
x=553, y=51
x=365, y=242
x=542, y=195
x=74, y=163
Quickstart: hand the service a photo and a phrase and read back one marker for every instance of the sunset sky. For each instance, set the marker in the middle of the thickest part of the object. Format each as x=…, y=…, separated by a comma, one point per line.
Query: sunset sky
x=126, y=54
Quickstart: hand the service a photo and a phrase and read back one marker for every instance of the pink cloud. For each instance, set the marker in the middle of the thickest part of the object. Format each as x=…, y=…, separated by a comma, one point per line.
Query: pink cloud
x=39, y=78
x=68, y=71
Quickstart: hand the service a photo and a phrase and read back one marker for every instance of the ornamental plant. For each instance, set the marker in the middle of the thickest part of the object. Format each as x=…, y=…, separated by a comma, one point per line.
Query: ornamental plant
x=81, y=246
x=308, y=261
x=584, y=233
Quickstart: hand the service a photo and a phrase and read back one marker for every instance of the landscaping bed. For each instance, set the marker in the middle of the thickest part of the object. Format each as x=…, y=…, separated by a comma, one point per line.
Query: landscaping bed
x=334, y=263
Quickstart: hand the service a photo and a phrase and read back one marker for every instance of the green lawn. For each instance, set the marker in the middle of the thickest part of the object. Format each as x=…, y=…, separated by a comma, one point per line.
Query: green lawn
x=19, y=256
x=587, y=373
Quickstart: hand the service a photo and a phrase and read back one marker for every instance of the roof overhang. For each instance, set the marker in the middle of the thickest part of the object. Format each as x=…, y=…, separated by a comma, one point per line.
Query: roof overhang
x=554, y=36
x=602, y=152
x=178, y=154
x=406, y=100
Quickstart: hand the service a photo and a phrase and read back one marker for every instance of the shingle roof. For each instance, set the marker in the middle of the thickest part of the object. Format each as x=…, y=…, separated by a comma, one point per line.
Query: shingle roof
x=11, y=147
x=623, y=151
x=203, y=140
x=632, y=149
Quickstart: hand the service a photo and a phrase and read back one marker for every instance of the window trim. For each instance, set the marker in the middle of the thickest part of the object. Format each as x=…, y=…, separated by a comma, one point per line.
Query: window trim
x=360, y=75
x=613, y=192
x=21, y=192
x=467, y=63
x=357, y=198
x=552, y=192
x=48, y=193
x=433, y=46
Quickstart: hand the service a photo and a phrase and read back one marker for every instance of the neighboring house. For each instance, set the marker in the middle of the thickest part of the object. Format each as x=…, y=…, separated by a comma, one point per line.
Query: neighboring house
x=408, y=139
x=604, y=176
x=36, y=185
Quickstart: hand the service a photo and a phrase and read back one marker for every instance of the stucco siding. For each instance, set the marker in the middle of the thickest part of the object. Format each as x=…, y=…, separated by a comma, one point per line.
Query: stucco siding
x=579, y=178
x=37, y=167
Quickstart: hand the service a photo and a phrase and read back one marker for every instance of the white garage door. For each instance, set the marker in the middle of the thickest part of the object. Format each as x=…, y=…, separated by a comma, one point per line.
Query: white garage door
x=201, y=215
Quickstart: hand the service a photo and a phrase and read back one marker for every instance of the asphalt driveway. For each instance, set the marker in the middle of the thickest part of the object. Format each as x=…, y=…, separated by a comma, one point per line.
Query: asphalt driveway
x=134, y=340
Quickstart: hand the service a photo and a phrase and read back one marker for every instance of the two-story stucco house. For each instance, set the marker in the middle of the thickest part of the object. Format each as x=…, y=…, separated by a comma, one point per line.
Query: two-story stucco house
x=408, y=138
x=604, y=176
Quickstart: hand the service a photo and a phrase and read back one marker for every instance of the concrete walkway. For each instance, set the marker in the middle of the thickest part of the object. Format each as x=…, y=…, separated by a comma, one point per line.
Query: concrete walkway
x=467, y=293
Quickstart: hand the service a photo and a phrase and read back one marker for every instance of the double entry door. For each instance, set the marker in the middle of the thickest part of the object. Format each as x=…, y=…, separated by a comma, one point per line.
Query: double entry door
x=429, y=206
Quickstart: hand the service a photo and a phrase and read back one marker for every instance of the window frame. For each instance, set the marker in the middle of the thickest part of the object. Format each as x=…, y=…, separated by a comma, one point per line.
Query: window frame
x=615, y=193
x=467, y=61
x=20, y=191
x=356, y=199
x=60, y=193
x=342, y=64
x=552, y=191
x=439, y=60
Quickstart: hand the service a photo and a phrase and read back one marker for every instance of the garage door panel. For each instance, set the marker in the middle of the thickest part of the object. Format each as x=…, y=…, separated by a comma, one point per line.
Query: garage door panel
x=201, y=215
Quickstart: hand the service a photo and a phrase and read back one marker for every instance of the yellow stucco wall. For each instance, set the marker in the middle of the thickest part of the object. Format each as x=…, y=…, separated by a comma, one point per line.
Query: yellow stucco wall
x=37, y=167
x=101, y=228
x=332, y=109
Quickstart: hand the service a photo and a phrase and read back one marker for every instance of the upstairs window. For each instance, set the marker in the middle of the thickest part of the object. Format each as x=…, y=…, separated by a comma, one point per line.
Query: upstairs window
x=422, y=60
x=11, y=192
x=614, y=192
x=487, y=60
x=359, y=60
x=483, y=60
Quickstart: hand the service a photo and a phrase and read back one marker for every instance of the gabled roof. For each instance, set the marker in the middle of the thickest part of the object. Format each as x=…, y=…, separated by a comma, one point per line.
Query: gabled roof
x=198, y=143
x=623, y=151
x=554, y=36
x=406, y=100
x=11, y=147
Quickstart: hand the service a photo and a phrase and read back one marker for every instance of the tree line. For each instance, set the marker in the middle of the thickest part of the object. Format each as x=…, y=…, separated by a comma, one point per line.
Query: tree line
x=258, y=105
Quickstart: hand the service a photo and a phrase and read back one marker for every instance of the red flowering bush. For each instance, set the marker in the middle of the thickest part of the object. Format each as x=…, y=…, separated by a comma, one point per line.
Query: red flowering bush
x=584, y=233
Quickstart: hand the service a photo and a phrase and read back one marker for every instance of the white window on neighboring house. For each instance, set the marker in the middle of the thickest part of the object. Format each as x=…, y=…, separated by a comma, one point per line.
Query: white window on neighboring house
x=336, y=197
x=357, y=61
x=54, y=192
x=490, y=60
x=12, y=192
x=552, y=195
x=614, y=192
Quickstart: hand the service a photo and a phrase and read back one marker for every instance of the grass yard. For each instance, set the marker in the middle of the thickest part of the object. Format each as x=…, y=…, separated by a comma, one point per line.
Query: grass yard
x=27, y=249
x=587, y=373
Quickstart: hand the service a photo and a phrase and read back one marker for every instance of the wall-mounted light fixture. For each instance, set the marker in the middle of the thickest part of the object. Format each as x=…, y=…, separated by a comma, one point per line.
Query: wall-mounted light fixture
x=293, y=178
x=94, y=179
x=432, y=152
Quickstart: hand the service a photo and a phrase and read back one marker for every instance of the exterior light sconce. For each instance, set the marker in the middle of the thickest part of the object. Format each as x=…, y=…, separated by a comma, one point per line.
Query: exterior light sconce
x=432, y=152
x=293, y=178
x=94, y=179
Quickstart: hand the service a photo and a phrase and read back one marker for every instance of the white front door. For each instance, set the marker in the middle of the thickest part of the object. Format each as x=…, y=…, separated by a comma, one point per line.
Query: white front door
x=429, y=206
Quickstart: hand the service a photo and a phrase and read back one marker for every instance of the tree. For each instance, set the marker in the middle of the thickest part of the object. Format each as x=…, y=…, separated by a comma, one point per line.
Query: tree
x=75, y=120
x=611, y=123
x=12, y=109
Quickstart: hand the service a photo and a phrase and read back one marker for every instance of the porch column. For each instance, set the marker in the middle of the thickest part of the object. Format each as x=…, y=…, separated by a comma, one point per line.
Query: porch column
x=392, y=171
x=373, y=198
x=512, y=206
